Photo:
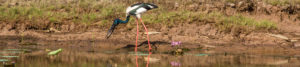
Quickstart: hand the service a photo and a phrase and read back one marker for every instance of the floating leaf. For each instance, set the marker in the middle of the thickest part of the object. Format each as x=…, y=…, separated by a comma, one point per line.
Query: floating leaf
x=55, y=52
x=9, y=56
x=3, y=60
x=17, y=49
x=201, y=54
x=10, y=52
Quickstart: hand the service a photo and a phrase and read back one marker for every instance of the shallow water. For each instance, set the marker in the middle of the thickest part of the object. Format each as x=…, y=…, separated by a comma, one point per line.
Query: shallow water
x=75, y=57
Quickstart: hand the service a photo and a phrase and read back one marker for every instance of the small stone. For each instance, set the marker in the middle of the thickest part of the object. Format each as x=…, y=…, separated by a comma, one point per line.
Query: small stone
x=294, y=40
x=279, y=36
x=293, y=60
x=298, y=34
x=53, y=30
x=151, y=33
x=240, y=3
x=279, y=62
x=179, y=50
x=151, y=60
x=230, y=4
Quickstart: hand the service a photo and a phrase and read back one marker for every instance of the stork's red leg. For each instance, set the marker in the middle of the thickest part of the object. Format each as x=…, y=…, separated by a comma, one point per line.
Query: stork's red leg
x=137, y=34
x=148, y=42
x=147, y=34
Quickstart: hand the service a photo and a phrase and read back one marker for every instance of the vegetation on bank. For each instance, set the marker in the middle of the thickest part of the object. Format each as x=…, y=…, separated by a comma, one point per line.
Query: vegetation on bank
x=274, y=2
x=102, y=12
x=282, y=2
x=83, y=11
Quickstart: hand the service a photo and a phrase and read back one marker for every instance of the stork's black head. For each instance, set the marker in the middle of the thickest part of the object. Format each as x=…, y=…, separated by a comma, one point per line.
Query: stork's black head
x=112, y=28
x=117, y=21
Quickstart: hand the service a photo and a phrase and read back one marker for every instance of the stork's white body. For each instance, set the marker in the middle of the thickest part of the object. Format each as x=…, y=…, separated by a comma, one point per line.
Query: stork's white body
x=139, y=8
x=138, y=12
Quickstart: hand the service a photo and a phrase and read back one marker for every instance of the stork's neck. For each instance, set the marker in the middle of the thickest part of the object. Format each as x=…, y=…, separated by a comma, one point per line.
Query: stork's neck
x=127, y=19
x=117, y=21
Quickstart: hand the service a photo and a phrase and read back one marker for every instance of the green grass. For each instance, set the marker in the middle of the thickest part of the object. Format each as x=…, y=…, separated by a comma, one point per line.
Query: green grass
x=82, y=11
x=282, y=2
x=232, y=1
x=171, y=18
x=278, y=2
x=20, y=13
x=224, y=23
x=91, y=11
x=272, y=2
x=245, y=23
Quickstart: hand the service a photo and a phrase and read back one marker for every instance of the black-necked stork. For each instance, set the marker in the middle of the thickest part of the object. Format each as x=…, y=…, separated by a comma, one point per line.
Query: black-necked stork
x=134, y=10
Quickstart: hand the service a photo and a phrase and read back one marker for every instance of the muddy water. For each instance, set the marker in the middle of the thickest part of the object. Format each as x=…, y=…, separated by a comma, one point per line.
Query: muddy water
x=32, y=52
x=36, y=56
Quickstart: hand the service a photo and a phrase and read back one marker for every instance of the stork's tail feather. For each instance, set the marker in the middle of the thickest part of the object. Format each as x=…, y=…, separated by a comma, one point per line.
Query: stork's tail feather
x=111, y=30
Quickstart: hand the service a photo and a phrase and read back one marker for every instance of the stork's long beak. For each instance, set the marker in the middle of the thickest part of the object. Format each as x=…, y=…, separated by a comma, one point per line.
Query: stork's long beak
x=111, y=30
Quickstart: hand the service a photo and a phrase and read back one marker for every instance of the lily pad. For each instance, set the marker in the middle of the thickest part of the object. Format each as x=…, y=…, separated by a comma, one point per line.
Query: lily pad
x=6, y=52
x=9, y=56
x=201, y=54
x=4, y=60
x=55, y=52
x=16, y=49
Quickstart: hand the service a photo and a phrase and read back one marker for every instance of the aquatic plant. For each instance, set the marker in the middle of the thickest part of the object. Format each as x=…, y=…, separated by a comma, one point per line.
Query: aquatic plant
x=3, y=60
x=175, y=64
x=178, y=50
x=174, y=43
x=55, y=52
